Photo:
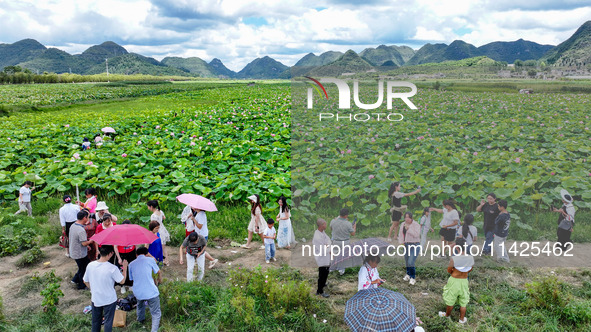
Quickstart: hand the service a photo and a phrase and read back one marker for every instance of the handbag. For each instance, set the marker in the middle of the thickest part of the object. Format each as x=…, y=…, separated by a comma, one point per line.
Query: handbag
x=120, y=319
x=64, y=241
x=566, y=224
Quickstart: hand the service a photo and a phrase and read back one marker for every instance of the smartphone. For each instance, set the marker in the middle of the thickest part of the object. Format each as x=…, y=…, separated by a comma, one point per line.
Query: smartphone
x=355, y=221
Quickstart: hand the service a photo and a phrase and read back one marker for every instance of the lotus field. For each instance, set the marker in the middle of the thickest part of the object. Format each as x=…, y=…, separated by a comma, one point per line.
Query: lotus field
x=225, y=143
x=455, y=145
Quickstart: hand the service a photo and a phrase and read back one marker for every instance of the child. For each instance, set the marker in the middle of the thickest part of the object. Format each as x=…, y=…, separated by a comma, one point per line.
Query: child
x=501, y=231
x=158, y=215
x=456, y=289
x=469, y=232
x=24, y=199
x=155, y=248
x=85, y=144
x=425, y=226
x=368, y=276
x=269, y=238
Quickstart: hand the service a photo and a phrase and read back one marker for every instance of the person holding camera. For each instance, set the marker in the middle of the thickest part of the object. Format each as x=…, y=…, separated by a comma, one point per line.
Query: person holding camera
x=395, y=195
x=194, y=248
x=368, y=276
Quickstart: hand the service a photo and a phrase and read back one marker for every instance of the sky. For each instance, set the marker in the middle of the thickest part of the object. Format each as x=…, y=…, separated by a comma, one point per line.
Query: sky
x=238, y=31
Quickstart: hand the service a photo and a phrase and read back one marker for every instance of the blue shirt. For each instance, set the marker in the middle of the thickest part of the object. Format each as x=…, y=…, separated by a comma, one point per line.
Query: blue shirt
x=140, y=271
x=155, y=249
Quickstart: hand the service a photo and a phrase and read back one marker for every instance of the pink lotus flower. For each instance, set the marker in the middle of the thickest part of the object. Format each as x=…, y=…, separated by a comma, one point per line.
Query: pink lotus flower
x=552, y=173
x=139, y=142
x=272, y=135
x=25, y=173
x=9, y=139
x=135, y=133
x=124, y=155
x=67, y=126
x=517, y=160
x=371, y=177
x=192, y=144
x=171, y=134
x=421, y=137
x=520, y=150
x=90, y=163
x=208, y=143
x=349, y=151
x=475, y=153
x=76, y=156
x=182, y=132
x=157, y=143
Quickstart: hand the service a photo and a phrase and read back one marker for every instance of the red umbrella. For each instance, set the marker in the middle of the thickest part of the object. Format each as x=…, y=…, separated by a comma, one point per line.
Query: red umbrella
x=124, y=235
x=197, y=202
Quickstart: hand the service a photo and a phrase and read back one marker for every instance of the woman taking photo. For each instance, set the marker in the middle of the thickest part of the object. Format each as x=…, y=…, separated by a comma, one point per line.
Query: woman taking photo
x=490, y=210
x=257, y=221
x=285, y=235
x=449, y=223
x=397, y=209
x=410, y=235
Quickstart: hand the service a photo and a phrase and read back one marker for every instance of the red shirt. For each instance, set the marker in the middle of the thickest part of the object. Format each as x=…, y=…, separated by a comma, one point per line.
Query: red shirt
x=100, y=228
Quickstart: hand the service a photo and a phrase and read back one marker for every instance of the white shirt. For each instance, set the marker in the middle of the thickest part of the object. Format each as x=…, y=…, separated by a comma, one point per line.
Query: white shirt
x=68, y=213
x=449, y=217
x=102, y=277
x=321, y=248
x=570, y=211
x=472, y=233
x=269, y=232
x=26, y=193
x=202, y=220
x=366, y=276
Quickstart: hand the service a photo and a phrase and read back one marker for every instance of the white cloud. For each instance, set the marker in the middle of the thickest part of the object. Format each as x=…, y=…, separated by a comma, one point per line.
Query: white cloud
x=217, y=28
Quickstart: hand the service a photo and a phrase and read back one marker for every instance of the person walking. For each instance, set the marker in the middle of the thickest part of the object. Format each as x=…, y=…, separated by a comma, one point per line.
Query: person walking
x=68, y=215
x=321, y=243
x=566, y=220
x=145, y=289
x=101, y=277
x=397, y=209
x=24, y=199
x=490, y=211
x=78, y=247
x=342, y=230
x=410, y=235
x=194, y=248
x=257, y=221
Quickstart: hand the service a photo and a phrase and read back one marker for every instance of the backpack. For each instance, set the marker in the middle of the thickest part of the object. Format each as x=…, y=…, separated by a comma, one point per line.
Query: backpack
x=127, y=304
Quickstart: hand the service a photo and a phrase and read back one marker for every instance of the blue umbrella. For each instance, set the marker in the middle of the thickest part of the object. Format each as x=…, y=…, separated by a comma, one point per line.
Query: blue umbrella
x=380, y=309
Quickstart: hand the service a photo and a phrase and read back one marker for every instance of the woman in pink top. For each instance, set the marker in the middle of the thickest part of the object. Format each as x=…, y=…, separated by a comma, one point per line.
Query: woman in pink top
x=410, y=235
x=91, y=200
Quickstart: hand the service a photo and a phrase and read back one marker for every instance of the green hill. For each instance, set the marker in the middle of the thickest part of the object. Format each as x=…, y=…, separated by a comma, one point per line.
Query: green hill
x=575, y=51
x=378, y=56
x=511, y=51
x=260, y=68
x=132, y=63
x=193, y=65
x=57, y=61
x=21, y=51
x=106, y=50
x=312, y=60
x=425, y=54
x=220, y=70
x=350, y=62
x=405, y=51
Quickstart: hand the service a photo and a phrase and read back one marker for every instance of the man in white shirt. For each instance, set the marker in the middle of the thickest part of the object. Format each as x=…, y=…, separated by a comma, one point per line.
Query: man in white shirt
x=101, y=277
x=24, y=199
x=321, y=252
x=68, y=216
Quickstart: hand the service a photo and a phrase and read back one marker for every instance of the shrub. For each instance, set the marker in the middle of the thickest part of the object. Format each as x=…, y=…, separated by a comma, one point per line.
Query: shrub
x=51, y=297
x=31, y=257
x=547, y=293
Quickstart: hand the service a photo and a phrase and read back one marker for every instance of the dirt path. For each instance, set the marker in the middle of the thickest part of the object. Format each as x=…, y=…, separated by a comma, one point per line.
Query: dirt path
x=13, y=278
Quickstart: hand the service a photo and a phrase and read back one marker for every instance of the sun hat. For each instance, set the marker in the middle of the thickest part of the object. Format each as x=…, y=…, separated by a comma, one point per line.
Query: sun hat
x=101, y=206
x=252, y=198
x=566, y=196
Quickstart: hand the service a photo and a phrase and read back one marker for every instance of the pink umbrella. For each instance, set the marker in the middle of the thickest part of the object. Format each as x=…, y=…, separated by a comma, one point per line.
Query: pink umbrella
x=124, y=235
x=108, y=130
x=197, y=202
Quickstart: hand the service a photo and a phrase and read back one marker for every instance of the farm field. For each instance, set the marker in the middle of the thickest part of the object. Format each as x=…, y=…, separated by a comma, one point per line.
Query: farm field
x=227, y=141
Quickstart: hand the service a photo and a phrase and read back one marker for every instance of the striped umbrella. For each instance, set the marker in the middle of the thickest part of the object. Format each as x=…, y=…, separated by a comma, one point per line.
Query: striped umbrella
x=355, y=256
x=380, y=309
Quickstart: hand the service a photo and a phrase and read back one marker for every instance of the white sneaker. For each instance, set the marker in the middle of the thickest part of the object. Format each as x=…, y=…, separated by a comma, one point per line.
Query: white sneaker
x=406, y=278
x=274, y=259
x=212, y=263
x=442, y=314
x=123, y=290
x=67, y=255
x=267, y=261
x=412, y=281
x=463, y=321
